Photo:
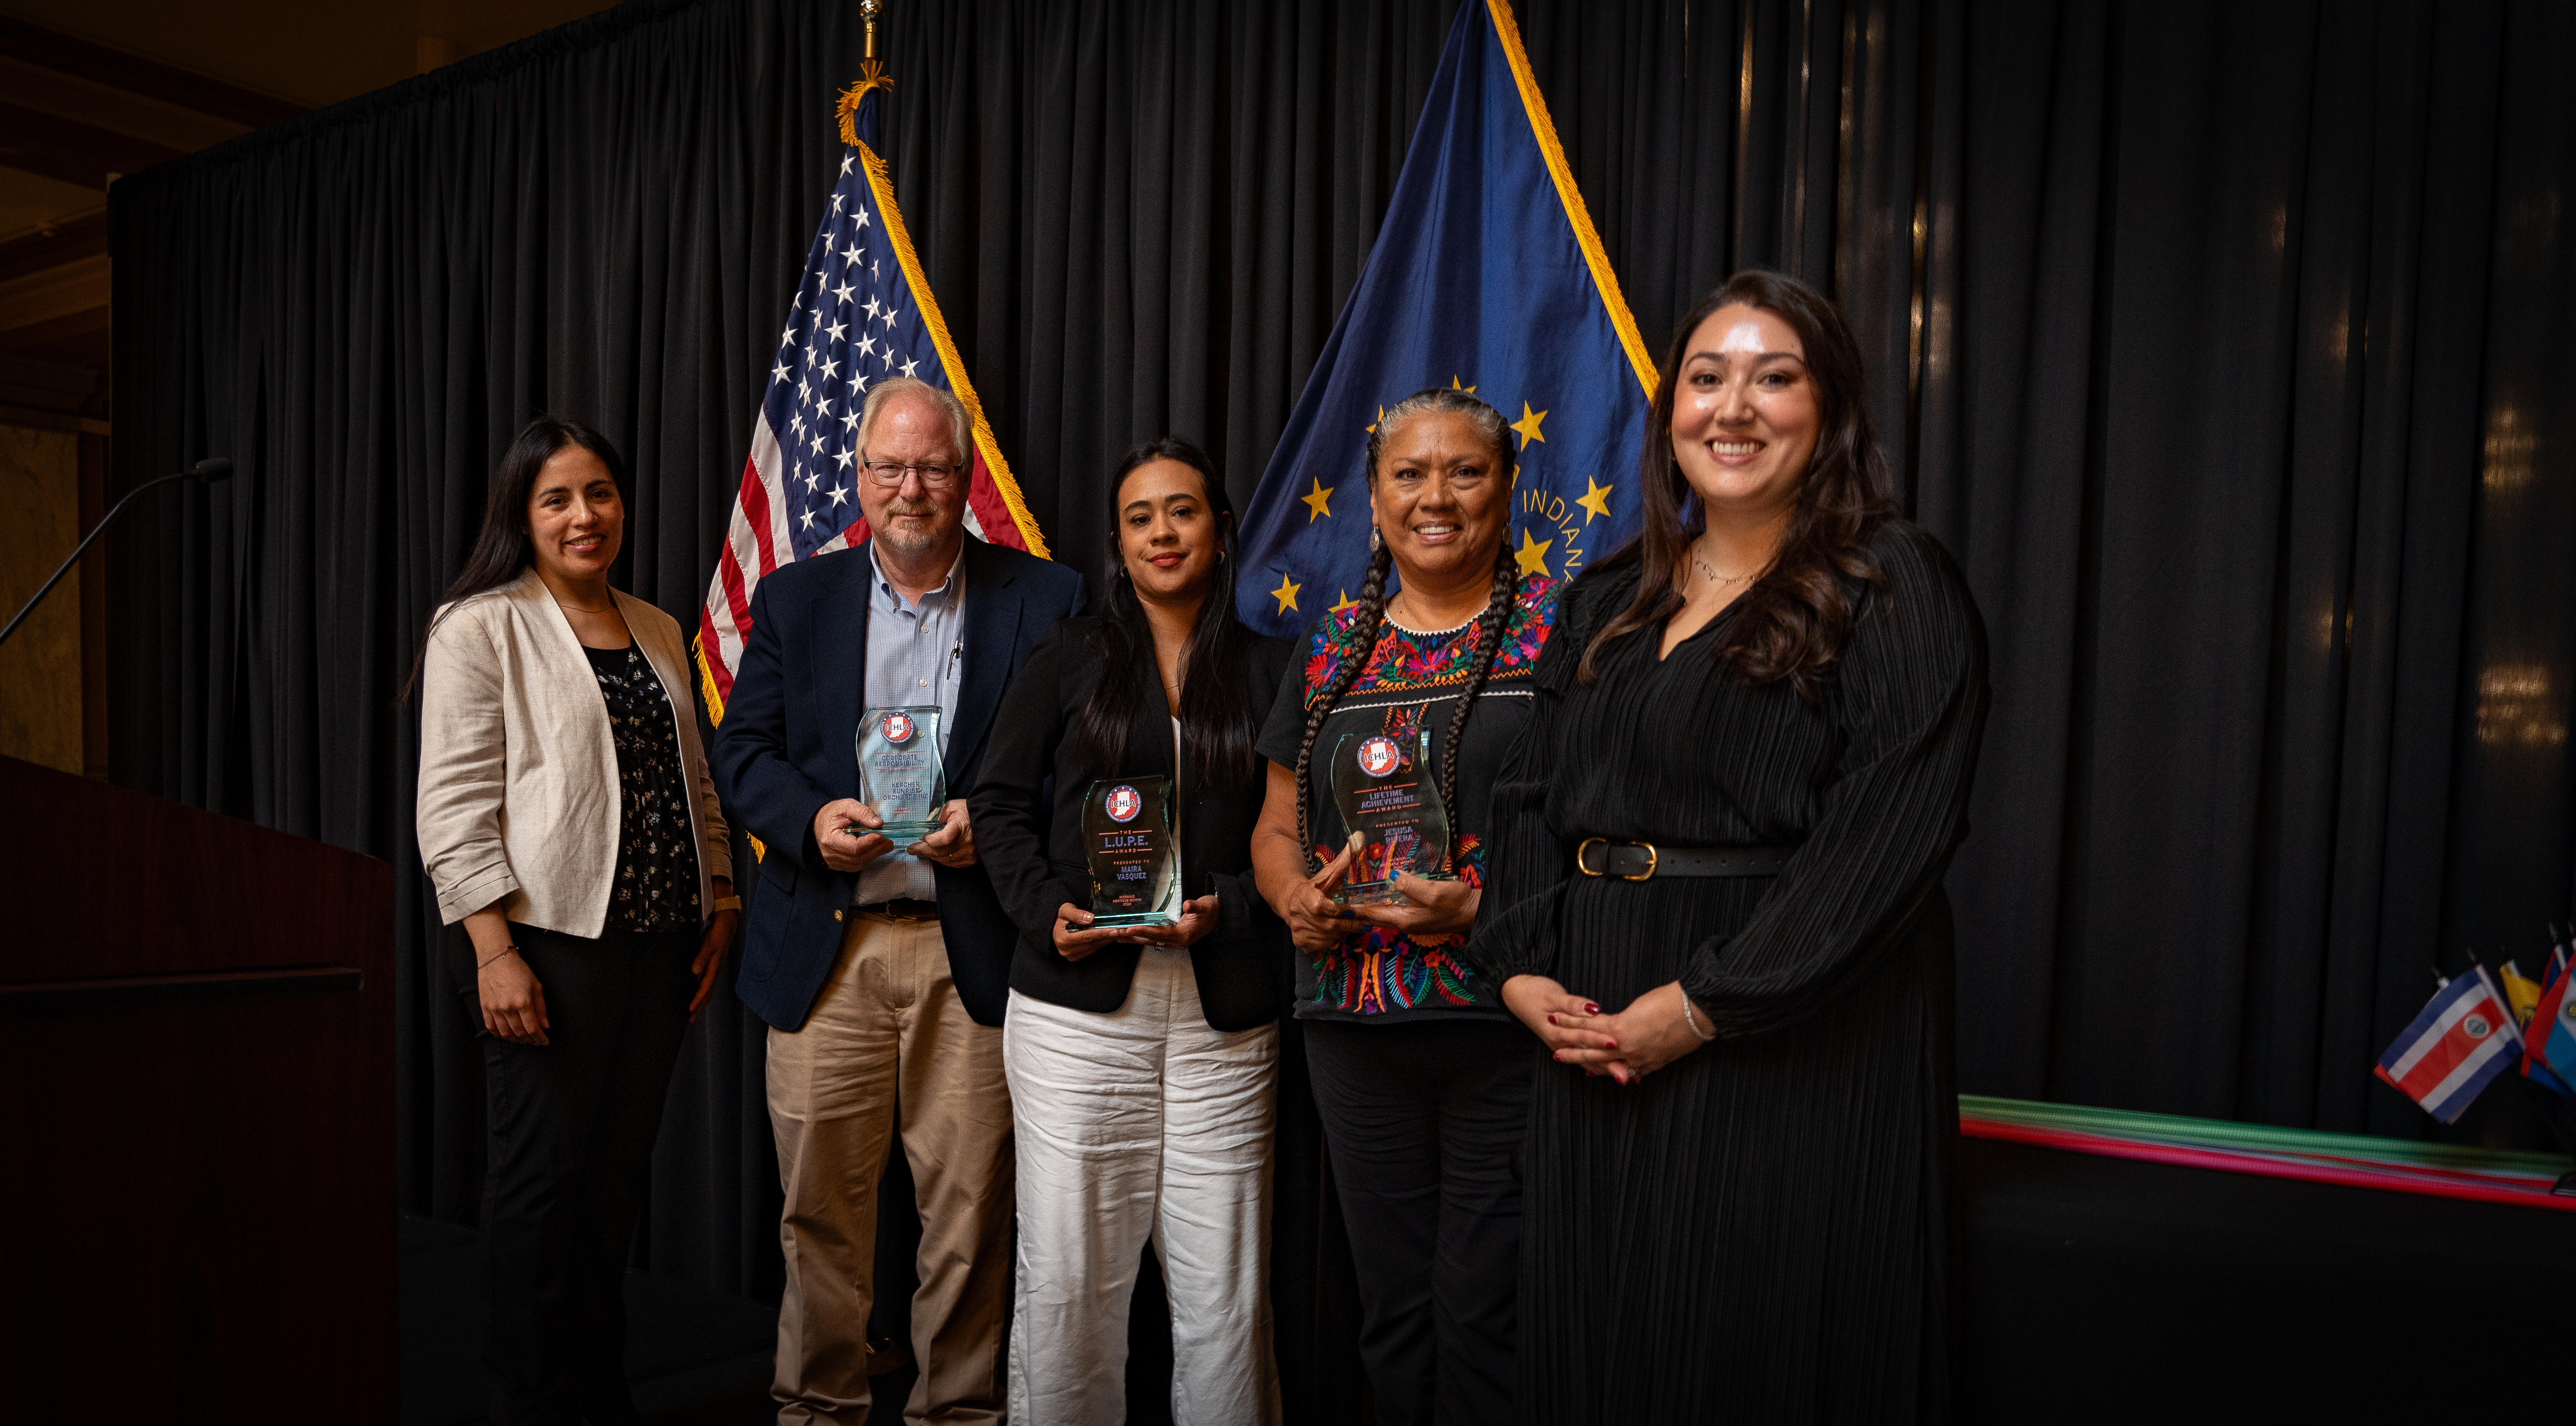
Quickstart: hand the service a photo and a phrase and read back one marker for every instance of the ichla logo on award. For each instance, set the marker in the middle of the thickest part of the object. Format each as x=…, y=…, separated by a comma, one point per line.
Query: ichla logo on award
x=1124, y=803
x=1379, y=757
x=898, y=728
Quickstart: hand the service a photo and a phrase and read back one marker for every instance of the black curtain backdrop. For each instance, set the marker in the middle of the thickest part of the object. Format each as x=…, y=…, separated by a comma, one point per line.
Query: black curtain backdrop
x=2222, y=343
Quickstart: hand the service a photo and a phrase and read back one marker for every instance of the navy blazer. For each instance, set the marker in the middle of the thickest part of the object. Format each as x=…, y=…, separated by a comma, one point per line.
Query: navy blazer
x=788, y=745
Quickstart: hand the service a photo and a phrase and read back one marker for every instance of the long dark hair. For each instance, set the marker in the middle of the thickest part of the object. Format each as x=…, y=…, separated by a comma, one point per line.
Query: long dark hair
x=1496, y=433
x=501, y=550
x=1219, y=720
x=1792, y=622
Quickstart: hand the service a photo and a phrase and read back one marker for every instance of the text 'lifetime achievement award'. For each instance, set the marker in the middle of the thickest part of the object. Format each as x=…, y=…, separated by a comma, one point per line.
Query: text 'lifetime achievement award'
x=1127, y=838
x=899, y=773
x=1390, y=804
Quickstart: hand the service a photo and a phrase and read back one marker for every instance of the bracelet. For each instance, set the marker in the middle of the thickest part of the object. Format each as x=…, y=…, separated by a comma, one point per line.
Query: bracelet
x=1690, y=1017
x=725, y=903
x=496, y=955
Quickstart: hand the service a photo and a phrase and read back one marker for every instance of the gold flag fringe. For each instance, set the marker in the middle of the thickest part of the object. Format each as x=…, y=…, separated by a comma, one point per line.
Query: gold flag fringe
x=872, y=75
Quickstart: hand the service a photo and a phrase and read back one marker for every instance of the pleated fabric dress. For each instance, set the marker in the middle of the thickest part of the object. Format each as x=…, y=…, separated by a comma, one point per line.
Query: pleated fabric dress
x=1761, y=1231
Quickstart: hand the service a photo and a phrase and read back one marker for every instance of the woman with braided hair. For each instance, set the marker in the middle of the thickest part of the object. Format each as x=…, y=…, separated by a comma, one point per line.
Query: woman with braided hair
x=1421, y=1079
x=1716, y=901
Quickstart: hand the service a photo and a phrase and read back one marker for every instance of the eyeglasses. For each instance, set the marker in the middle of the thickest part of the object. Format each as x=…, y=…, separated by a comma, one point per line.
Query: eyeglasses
x=890, y=476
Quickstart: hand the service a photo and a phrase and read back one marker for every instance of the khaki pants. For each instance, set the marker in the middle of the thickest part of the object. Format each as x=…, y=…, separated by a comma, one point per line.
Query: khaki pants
x=888, y=1030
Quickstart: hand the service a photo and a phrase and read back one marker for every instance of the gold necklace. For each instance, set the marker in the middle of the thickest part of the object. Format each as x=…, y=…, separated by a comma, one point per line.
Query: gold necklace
x=1713, y=577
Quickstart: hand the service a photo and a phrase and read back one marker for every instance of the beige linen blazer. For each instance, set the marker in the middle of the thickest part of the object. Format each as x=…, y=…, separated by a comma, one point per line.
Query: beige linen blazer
x=518, y=774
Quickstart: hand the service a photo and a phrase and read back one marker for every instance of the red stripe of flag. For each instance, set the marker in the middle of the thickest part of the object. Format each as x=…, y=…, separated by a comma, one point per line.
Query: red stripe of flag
x=991, y=511
x=711, y=658
x=755, y=510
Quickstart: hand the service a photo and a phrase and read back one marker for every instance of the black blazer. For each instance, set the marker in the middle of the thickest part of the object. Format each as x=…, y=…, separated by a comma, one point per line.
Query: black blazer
x=1027, y=806
x=786, y=747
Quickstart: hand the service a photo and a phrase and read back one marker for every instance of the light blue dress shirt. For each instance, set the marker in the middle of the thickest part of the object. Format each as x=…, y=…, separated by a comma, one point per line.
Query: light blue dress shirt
x=915, y=654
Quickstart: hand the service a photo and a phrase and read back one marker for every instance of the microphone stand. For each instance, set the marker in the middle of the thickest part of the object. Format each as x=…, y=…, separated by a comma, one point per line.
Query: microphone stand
x=204, y=472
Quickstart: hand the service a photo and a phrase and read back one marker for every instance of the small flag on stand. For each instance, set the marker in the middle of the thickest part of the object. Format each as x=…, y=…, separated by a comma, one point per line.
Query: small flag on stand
x=2463, y=1039
x=2521, y=992
x=2549, y=1044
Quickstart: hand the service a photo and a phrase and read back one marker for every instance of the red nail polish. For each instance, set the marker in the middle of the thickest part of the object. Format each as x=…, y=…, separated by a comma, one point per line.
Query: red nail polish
x=1591, y=1009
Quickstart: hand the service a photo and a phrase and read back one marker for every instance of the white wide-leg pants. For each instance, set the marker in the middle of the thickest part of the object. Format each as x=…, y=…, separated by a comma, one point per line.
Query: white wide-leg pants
x=1141, y=1125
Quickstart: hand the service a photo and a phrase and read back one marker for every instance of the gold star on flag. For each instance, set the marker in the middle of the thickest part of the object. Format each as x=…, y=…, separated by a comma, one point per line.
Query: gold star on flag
x=1527, y=425
x=1454, y=386
x=1315, y=501
x=1595, y=500
x=1532, y=554
x=1286, y=594
x=1381, y=415
x=1347, y=603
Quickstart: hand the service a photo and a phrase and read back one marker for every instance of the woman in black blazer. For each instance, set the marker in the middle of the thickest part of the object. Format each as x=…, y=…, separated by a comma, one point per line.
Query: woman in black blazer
x=1141, y=1060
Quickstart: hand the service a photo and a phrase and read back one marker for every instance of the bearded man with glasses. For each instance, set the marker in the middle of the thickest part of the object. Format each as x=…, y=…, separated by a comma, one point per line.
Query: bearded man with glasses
x=882, y=970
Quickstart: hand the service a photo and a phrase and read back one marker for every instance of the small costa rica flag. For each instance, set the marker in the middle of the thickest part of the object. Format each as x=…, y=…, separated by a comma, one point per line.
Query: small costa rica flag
x=2463, y=1038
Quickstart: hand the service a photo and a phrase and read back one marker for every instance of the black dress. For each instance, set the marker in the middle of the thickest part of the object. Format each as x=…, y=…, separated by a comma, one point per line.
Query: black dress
x=1762, y=1230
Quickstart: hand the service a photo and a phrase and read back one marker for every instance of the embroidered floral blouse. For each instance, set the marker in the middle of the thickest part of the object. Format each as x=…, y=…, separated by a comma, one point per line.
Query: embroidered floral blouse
x=1412, y=681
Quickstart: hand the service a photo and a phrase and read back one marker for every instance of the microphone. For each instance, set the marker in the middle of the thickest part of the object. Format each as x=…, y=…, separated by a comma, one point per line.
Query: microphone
x=204, y=472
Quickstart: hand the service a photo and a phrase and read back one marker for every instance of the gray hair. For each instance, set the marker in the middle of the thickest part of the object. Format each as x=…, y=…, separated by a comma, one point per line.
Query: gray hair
x=962, y=445
x=1487, y=423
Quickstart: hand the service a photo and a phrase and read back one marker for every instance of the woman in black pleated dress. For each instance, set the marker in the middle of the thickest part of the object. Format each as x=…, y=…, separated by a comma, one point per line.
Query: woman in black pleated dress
x=1716, y=899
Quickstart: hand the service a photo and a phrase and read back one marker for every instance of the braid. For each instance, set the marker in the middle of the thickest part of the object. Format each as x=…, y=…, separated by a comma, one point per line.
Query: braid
x=1372, y=618
x=1489, y=640
x=1496, y=433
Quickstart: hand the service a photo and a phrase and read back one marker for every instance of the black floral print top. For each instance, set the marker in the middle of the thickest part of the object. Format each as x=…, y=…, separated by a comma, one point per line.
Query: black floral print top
x=657, y=854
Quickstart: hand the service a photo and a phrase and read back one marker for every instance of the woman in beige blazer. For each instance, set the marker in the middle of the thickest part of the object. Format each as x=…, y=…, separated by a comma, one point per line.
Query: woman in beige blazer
x=567, y=819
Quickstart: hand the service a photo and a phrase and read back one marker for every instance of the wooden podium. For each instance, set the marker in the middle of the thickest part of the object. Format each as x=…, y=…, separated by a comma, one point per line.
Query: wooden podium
x=196, y=1114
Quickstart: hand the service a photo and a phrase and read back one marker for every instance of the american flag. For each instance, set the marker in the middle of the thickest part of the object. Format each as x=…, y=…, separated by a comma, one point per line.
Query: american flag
x=862, y=312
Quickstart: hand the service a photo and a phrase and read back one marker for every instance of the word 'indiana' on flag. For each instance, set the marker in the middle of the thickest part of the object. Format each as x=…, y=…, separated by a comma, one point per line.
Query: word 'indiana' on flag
x=862, y=312
x=2463, y=1038
x=1487, y=276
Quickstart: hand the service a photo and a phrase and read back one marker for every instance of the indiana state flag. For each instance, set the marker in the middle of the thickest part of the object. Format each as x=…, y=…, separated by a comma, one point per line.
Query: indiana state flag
x=1486, y=276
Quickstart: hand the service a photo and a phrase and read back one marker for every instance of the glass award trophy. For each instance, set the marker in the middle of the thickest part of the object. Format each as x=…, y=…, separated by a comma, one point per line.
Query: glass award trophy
x=1390, y=804
x=1127, y=838
x=899, y=773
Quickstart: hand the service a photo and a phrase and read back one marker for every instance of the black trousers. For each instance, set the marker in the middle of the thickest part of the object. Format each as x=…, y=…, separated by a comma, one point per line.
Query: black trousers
x=1424, y=1120
x=572, y=1128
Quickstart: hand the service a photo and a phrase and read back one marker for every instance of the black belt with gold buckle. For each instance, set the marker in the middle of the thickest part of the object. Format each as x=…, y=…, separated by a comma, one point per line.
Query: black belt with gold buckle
x=1644, y=861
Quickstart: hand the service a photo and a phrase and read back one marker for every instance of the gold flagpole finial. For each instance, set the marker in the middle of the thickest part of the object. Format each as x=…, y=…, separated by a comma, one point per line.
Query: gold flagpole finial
x=868, y=11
